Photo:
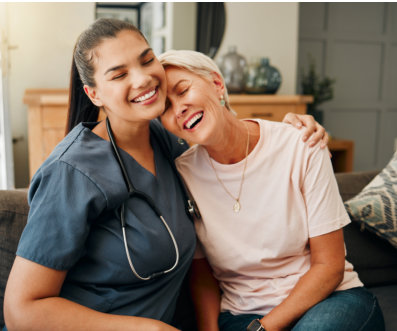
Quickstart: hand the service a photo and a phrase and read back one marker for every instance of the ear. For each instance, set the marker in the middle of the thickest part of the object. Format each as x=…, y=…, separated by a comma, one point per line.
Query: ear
x=218, y=83
x=92, y=94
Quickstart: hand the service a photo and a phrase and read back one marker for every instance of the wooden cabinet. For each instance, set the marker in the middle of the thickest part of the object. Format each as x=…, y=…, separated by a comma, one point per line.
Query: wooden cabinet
x=342, y=154
x=47, y=117
x=268, y=107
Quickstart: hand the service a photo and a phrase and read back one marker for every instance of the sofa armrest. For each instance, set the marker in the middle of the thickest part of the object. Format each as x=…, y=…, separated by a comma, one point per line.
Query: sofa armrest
x=13, y=216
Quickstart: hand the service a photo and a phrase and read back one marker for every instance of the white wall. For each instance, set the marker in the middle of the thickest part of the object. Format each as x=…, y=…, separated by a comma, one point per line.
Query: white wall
x=44, y=35
x=265, y=30
x=183, y=26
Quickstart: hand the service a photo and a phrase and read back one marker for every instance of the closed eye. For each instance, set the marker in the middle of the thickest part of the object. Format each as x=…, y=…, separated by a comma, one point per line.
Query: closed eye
x=184, y=91
x=119, y=76
x=149, y=61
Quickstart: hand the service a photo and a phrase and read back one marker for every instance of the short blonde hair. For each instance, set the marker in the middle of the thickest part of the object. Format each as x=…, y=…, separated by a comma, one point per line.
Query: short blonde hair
x=195, y=62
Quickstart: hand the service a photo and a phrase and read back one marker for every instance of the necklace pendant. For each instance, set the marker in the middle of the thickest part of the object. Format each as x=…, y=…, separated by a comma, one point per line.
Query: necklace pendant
x=237, y=207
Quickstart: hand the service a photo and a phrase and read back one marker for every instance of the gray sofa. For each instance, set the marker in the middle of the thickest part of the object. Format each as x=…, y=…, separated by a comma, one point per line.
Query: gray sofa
x=374, y=259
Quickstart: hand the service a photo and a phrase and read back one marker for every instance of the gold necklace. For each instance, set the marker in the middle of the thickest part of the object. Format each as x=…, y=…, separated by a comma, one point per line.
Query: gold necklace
x=237, y=205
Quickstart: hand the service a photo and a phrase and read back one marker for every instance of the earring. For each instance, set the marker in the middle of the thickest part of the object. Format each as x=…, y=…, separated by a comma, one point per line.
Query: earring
x=222, y=101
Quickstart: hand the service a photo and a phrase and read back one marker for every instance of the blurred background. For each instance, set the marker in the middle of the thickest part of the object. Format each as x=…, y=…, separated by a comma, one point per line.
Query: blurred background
x=344, y=54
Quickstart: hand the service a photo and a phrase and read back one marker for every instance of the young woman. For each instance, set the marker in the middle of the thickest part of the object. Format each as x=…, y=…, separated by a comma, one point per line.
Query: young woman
x=71, y=270
x=271, y=227
x=108, y=241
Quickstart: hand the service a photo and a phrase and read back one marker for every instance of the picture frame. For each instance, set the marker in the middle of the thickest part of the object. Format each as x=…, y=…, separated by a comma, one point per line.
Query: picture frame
x=124, y=12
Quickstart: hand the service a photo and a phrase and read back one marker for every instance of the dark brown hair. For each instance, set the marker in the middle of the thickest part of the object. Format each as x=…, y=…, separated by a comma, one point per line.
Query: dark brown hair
x=81, y=109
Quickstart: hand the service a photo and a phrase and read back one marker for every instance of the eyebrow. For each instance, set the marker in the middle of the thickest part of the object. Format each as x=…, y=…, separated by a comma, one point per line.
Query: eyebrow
x=121, y=66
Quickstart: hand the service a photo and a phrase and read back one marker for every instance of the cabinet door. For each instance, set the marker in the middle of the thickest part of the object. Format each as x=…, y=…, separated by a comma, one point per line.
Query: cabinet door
x=275, y=112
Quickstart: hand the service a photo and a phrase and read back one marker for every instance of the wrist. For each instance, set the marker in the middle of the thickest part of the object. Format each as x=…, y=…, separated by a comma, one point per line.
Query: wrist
x=255, y=325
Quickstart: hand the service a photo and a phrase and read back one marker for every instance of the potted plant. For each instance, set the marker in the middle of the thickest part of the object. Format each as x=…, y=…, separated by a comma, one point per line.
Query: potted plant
x=321, y=88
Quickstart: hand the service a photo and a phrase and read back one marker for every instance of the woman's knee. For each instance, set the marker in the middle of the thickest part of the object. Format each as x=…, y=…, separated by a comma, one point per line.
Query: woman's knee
x=353, y=309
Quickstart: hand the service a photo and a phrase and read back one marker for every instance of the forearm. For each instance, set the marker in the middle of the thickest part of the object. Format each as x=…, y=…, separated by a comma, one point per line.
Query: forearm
x=207, y=306
x=206, y=296
x=57, y=313
x=316, y=285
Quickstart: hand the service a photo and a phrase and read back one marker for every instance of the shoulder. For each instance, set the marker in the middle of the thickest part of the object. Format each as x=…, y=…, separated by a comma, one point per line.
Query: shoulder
x=192, y=159
x=167, y=140
x=82, y=160
x=279, y=130
x=283, y=141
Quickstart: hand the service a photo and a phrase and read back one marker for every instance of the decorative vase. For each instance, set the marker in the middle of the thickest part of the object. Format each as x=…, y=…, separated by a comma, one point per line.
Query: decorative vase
x=251, y=85
x=269, y=77
x=232, y=66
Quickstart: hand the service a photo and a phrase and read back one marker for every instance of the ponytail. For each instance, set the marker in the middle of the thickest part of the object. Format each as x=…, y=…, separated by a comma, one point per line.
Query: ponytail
x=81, y=109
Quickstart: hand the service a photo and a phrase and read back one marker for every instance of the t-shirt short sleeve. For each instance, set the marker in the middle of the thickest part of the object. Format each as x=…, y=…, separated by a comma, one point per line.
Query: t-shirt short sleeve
x=63, y=202
x=325, y=209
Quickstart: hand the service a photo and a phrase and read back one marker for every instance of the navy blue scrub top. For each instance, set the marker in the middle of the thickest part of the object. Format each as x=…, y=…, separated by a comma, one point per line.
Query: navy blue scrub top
x=72, y=225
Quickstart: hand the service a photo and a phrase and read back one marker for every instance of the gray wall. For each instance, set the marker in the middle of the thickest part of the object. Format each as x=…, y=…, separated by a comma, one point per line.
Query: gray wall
x=356, y=43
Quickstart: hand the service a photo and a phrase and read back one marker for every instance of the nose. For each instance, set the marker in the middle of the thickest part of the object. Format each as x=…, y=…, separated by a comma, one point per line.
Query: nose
x=180, y=110
x=140, y=78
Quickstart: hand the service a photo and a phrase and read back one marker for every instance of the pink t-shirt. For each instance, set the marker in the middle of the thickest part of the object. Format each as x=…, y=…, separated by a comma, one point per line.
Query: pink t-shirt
x=289, y=195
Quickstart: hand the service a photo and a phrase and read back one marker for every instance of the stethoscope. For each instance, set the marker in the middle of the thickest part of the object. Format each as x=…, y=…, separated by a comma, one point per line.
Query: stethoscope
x=190, y=206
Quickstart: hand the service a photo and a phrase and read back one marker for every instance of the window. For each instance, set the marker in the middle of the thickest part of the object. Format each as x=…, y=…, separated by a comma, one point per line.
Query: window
x=6, y=164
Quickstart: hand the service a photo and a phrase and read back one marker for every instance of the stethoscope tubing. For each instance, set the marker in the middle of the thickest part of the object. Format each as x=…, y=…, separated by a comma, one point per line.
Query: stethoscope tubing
x=143, y=196
x=128, y=252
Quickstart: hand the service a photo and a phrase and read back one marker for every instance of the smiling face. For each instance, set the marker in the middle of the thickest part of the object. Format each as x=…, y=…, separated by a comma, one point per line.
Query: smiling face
x=193, y=110
x=130, y=82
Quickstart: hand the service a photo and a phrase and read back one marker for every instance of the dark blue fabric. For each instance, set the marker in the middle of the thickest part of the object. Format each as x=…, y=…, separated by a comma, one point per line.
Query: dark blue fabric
x=74, y=225
x=349, y=310
x=229, y=322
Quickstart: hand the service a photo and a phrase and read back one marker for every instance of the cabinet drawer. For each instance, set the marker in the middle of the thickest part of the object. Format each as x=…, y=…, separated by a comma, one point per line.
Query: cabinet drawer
x=267, y=112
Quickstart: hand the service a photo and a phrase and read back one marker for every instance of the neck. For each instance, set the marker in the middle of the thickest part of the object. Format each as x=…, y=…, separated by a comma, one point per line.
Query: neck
x=230, y=146
x=133, y=138
x=128, y=135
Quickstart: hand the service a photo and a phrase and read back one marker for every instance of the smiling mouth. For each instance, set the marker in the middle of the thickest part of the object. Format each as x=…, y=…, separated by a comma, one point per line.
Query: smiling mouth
x=146, y=96
x=196, y=119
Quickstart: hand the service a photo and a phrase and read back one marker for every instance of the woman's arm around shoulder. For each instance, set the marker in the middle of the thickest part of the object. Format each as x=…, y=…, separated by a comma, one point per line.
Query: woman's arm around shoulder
x=32, y=302
x=312, y=129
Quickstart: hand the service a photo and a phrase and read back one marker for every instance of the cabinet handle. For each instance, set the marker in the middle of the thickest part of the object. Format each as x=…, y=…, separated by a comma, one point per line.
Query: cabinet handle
x=262, y=114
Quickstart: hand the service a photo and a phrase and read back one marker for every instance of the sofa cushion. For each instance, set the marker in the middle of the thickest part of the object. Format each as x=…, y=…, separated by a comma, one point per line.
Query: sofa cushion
x=375, y=207
x=13, y=215
x=373, y=258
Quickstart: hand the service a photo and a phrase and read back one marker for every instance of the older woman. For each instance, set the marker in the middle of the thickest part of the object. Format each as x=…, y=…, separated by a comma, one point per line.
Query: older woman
x=272, y=216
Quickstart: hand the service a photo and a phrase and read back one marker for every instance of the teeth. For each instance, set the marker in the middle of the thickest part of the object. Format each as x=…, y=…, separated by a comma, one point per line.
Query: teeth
x=145, y=97
x=193, y=120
